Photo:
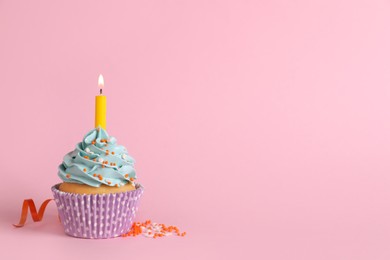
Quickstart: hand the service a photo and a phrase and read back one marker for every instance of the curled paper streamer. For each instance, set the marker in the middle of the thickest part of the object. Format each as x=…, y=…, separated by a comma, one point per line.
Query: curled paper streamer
x=36, y=216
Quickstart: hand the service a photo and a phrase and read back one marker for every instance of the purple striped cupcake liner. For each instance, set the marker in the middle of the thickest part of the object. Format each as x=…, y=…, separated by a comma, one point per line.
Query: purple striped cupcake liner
x=97, y=215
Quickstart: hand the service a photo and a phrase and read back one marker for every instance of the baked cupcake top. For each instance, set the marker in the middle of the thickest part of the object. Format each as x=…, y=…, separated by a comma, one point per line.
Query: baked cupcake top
x=98, y=160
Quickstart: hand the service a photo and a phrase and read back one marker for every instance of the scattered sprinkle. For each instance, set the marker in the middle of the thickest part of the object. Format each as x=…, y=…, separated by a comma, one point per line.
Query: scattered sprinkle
x=126, y=175
x=112, y=153
x=93, y=142
x=94, y=175
x=153, y=230
x=85, y=170
x=68, y=176
x=86, y=157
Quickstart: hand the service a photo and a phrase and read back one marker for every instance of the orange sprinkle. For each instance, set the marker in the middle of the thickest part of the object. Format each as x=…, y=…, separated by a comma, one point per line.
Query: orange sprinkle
x=136, y=230
x=108, y=182
x=68, y=176
x=112, y=153
x=93, y=142
x=85, y=170
x=116, y=185
x=100, y=177
x=132, y=179
x=86, y=157
x=126, y=175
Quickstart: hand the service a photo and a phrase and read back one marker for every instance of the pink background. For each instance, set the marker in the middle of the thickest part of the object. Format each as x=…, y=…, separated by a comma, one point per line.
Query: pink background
x=262, y=128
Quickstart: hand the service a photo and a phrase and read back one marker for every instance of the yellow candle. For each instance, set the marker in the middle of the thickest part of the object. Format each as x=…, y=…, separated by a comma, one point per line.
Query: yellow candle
x=100, y=106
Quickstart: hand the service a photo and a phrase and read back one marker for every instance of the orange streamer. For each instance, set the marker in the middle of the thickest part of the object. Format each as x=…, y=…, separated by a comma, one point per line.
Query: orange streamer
x=36, y=216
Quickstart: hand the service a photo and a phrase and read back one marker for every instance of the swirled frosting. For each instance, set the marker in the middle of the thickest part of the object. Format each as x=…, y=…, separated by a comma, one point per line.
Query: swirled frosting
x=98, y=160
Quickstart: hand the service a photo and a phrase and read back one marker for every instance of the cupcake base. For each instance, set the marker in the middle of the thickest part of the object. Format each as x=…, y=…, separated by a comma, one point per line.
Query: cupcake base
x=86, y=189
x=97, y=215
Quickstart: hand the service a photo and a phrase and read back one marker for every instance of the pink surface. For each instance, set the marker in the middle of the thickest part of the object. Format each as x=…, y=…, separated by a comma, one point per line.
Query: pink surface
x=262, y=128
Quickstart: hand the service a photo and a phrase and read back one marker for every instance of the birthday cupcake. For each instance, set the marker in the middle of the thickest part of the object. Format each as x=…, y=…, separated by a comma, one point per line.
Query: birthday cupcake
x=98, y=197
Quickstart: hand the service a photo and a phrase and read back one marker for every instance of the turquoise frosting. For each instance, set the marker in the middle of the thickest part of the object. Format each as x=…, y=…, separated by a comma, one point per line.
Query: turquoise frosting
x=98, y=160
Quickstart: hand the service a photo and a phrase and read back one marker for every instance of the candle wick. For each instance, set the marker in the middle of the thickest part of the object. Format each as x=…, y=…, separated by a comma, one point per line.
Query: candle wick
x=101, y=91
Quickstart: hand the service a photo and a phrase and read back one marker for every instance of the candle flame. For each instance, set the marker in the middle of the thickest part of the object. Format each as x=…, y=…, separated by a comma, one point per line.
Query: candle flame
x=101, y=81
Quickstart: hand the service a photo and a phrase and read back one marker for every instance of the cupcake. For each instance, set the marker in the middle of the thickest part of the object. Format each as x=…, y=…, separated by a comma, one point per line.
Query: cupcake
x=98, y=197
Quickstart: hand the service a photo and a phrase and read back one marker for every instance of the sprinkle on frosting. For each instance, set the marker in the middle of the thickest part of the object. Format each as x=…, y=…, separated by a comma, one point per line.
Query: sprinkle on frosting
x=96, y=159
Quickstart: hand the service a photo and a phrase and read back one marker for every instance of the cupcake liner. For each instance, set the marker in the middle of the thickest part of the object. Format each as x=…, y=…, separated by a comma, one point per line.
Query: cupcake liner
x=97, y=215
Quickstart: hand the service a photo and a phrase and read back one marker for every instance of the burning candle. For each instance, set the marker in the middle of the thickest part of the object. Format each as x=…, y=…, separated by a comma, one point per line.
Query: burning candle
x=100, y=105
